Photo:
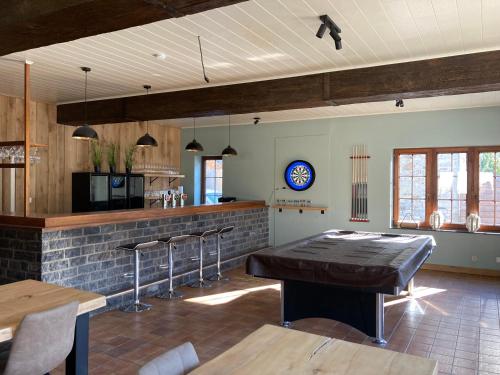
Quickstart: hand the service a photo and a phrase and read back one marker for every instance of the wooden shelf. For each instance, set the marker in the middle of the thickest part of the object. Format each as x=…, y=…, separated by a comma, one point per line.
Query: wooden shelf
x=300, y=208
x=21, y=143
x=155, y=176
x=11, y=165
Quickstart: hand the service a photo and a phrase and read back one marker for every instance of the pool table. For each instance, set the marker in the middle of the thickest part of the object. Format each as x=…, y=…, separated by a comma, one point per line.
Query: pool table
x=343, y=275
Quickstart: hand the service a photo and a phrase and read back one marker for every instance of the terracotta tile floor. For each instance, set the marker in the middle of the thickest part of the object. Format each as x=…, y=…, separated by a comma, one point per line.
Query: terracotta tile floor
x=453, y=318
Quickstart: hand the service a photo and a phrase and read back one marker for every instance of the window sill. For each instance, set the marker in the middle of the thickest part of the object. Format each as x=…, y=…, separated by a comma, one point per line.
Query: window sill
x=463, y=231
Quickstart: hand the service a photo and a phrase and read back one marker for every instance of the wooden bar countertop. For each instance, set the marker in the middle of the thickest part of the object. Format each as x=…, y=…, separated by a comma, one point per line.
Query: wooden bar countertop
x=78, y=220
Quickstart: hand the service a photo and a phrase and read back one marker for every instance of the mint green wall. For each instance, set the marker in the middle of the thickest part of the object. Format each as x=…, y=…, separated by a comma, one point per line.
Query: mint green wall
x=264, y=150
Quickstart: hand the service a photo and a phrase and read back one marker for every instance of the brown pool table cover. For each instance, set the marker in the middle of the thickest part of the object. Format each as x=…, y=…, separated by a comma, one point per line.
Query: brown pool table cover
x=346, y=259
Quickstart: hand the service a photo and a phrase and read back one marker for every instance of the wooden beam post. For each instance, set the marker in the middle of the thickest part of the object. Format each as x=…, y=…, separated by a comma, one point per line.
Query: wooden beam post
x=27, y=120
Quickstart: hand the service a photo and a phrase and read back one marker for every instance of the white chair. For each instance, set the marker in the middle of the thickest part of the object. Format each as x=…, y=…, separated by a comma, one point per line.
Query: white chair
x=178, y=361
x=42, y=342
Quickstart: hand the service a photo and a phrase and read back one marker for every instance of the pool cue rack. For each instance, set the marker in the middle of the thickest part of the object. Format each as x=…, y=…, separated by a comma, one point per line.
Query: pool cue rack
x=359, y=187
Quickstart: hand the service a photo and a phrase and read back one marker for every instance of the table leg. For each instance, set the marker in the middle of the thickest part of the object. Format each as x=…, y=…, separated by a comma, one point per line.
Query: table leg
x=379, y=316
x=284, y=323
x=411, y=287
x=77, y=362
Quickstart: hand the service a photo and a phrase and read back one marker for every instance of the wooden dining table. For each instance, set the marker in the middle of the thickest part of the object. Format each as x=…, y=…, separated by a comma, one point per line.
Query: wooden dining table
x=273, y=350
x=24, y=297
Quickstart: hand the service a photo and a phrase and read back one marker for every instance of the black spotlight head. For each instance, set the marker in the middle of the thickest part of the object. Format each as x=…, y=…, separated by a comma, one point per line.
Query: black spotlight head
x=338, y=44
x=256, y=120
x=321, y=30
x=400, y=103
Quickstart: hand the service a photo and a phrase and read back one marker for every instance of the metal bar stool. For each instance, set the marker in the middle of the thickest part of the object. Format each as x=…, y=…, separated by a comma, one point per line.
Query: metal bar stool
x=202, y=237
x=137, y=248
x=220, y=235
x=171, y=242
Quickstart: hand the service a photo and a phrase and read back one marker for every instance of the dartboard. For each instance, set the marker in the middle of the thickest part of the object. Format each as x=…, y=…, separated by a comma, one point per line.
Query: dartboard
x=299, y=175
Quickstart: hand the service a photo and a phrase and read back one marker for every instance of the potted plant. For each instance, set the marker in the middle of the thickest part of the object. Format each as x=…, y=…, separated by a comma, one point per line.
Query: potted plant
x=129, y=158
x=96, y=155
x=112, y=149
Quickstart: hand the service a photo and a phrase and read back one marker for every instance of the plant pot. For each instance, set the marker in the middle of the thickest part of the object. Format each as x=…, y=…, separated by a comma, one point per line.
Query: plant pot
x=112, y=169
x=97, y=169
x=128, y=170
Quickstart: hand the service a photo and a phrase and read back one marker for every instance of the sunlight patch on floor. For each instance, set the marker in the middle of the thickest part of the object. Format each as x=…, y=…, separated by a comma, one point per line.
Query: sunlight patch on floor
x=222, y=298
x=418, y=292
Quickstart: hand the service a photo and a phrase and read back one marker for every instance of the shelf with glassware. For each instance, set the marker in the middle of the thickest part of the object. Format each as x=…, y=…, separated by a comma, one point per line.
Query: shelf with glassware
x=157, y=171
x=14, y=152
x=162, y=192
x=300, y=205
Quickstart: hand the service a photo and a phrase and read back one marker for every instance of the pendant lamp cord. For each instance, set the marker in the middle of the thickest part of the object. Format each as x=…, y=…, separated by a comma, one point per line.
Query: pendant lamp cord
x=229, y=129
x=147, y=122
x=202, y=63
x=85, y=106
x=194, y=127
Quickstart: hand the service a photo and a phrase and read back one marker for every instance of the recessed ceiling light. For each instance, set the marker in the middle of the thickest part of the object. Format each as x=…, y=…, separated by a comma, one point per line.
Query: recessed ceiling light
x=160, y=55
x=267, y=56
x=156, y=75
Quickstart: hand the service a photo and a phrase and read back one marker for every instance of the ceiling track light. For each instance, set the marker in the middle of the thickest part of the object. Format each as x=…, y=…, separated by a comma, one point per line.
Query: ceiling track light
x=202, y=62
x=327, y=23
x=85, y=132
x=400, y=103
x=256, y=120
x=147, y=140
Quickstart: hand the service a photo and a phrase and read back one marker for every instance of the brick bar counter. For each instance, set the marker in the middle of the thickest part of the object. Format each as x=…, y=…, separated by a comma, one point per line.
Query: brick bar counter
x=79, y=250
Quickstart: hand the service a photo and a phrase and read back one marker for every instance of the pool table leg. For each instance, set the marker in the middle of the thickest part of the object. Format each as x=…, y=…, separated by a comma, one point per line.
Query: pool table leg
x=379, y=316
x=284, y=323
x=411, y=287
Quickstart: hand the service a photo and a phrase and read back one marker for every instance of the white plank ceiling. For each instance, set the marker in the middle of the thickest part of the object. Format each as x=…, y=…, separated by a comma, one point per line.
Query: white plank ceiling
x=262, y=39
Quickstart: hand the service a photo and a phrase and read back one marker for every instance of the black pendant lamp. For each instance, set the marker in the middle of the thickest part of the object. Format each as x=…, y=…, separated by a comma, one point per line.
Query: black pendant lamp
x=229, y=151
x=85, y=132
x=194, y=145
x=146, y=140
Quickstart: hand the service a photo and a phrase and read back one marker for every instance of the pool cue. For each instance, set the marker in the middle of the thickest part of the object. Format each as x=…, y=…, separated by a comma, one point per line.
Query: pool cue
x=355, y=182
x=352, y=184
x=364, y=182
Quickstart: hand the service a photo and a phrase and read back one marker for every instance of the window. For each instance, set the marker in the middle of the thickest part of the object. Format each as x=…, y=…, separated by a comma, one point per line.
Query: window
x=452, y=186
x=211, y=189
x=412, y=189
x=455, y=181
x=489, y=188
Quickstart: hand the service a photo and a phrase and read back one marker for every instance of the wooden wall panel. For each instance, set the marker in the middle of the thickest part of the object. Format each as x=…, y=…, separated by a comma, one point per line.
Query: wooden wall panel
x=51, y=178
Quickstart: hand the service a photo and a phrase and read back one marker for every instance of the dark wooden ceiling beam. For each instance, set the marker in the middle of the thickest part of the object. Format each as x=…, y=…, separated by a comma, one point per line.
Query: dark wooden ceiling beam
x=436, y=77
x=27, y=24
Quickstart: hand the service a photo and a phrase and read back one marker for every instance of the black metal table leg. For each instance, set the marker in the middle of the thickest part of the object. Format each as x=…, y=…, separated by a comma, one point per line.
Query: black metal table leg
x=77, y=362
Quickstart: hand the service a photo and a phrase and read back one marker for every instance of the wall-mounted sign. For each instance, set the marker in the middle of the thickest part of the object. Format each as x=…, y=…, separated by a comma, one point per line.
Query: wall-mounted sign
x=299, y=175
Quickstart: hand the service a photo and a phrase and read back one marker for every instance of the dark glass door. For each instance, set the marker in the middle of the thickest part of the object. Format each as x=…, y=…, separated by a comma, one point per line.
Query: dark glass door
x=99, y=193
x=136, y=191
x=118, y=191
